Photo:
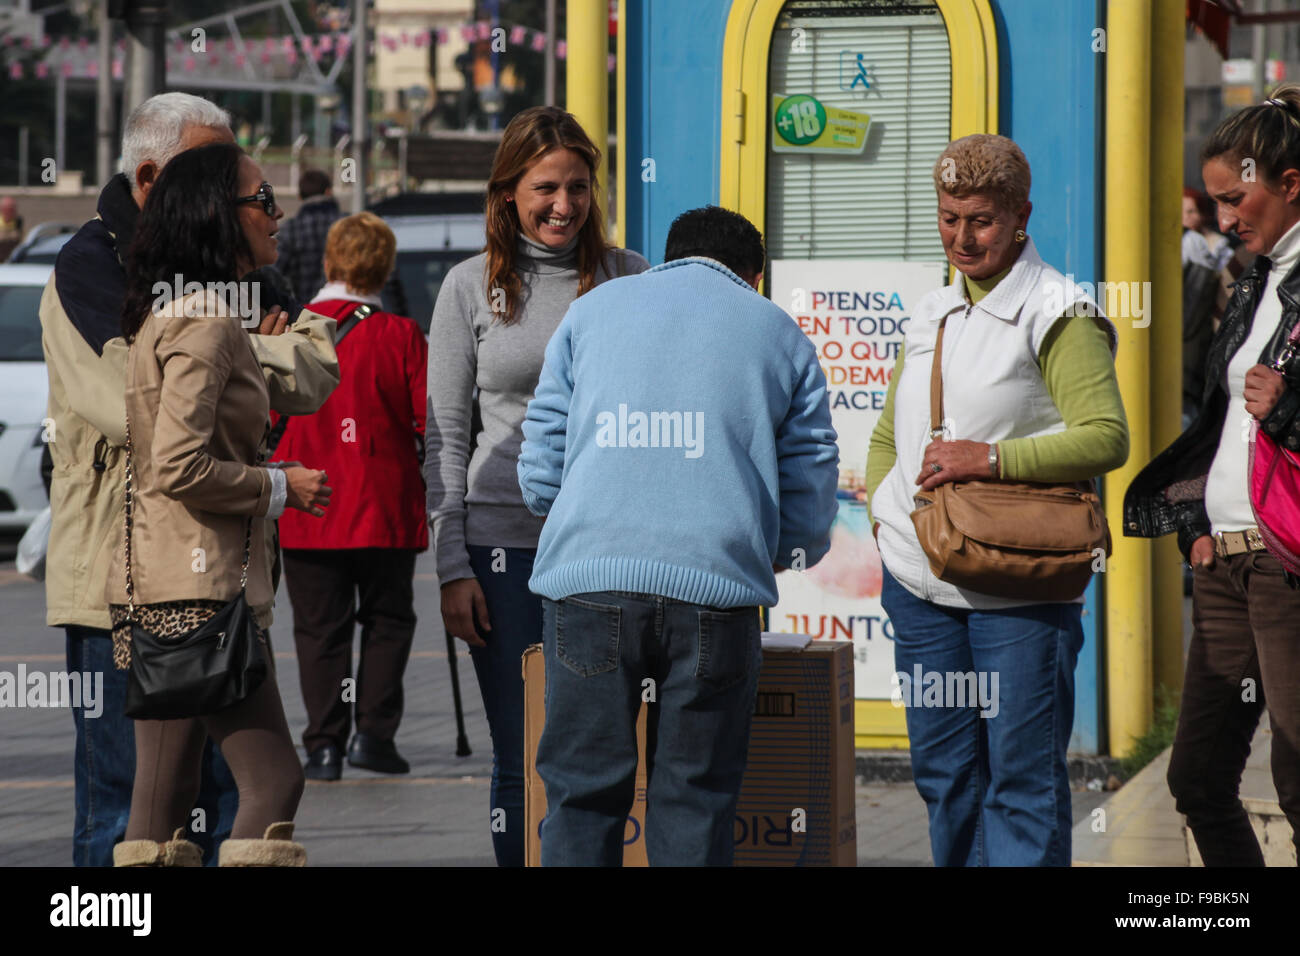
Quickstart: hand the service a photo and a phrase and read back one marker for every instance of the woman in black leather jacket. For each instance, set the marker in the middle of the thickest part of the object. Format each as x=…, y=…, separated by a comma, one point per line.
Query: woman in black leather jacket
x=1245, y=649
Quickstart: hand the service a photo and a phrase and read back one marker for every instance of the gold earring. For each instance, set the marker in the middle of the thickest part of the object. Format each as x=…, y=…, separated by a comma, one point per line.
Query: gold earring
x=1021, y=235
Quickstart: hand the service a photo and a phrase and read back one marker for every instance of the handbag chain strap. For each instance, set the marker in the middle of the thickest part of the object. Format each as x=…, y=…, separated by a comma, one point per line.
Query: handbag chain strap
x=1288, y=351
x=130, y=585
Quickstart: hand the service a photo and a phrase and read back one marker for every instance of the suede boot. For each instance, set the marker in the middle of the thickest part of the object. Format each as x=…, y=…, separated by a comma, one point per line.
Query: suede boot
x=176, y=852
x=275, y=849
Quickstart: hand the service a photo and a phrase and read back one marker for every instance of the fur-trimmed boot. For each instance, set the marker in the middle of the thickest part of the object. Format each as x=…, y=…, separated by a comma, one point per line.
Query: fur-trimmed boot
x=175, y=852
x=275, y=849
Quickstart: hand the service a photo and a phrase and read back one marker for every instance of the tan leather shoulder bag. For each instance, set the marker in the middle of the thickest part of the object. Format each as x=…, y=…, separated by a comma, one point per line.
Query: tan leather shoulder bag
x=1014, y=539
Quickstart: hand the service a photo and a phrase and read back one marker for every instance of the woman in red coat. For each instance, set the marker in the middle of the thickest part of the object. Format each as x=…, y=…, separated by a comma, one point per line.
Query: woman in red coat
x=358, y=562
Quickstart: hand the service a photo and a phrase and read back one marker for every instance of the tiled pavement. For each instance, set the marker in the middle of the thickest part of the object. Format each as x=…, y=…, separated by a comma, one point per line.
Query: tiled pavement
x=1140, y=825
x=438, y=815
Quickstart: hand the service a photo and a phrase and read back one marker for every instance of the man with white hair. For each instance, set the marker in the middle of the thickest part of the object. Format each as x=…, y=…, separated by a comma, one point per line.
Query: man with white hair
x=85, y=356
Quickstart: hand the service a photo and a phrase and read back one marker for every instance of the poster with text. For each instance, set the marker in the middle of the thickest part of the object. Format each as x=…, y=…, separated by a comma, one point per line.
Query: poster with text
x=856, y=312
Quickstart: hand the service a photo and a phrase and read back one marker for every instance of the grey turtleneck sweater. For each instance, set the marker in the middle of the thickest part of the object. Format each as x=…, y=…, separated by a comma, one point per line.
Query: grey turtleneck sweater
x=473, y=496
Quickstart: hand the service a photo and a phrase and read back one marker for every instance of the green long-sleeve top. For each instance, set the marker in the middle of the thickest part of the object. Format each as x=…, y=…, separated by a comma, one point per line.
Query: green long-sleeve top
x=1079, y=371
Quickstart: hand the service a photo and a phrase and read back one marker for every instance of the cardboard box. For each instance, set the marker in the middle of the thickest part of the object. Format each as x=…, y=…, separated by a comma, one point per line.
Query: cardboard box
x=796, y=804
x=535, y=789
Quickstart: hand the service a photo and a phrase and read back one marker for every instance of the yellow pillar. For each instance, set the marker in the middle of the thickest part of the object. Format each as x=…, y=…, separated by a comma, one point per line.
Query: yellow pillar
x=620, y=132
x=1127, y=260
x=1167, y=50
x=586, y=87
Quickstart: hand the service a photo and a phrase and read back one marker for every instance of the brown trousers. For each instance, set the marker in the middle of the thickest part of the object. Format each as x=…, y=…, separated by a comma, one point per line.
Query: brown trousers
x=253, y=736
x=332, y=590
x=1244, y=656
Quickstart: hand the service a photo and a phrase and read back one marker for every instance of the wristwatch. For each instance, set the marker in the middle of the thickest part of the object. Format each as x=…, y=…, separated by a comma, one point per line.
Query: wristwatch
x=993, y=459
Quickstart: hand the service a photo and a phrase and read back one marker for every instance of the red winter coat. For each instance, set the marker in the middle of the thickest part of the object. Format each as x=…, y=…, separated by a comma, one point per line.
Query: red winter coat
x=364, y=438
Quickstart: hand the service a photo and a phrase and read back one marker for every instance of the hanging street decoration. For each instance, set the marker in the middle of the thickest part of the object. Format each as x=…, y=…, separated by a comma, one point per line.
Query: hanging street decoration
x=77, y=57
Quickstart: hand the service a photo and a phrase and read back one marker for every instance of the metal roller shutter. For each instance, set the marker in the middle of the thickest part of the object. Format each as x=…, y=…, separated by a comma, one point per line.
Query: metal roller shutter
x=880, y=204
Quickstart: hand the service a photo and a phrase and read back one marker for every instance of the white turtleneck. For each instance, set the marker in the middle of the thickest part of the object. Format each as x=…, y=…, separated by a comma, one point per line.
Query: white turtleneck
x=341, y=290
x=1227, y=490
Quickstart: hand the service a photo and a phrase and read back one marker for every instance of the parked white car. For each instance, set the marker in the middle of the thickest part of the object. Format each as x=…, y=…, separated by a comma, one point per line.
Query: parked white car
x=24, y=390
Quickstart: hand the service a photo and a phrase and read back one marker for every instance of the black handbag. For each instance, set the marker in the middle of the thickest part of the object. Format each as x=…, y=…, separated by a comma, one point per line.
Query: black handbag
x=217, y=664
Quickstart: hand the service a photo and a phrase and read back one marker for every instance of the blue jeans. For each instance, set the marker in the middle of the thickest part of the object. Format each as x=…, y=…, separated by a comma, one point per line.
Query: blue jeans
x=996, y=786
x=704, y=663
x=104, y=765
x=515, y=614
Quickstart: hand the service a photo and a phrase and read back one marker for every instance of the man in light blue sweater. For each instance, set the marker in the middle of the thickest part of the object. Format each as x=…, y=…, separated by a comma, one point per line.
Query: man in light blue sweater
x=680, y=445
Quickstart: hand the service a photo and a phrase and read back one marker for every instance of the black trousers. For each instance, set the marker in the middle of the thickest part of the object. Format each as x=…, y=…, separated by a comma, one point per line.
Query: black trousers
x=1244, y=657
x=329, y=590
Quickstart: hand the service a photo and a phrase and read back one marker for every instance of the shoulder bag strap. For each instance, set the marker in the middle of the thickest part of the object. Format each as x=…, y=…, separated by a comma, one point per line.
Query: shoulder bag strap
x=359, y=312
x=130, y=584
x=936, y=384
x=130, y=587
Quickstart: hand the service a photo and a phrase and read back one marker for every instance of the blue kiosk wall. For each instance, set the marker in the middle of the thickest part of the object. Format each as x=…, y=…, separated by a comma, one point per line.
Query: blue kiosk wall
x=1050, y=101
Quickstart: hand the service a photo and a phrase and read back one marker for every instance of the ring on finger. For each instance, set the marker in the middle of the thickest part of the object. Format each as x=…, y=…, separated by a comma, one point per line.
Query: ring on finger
x=936, y=467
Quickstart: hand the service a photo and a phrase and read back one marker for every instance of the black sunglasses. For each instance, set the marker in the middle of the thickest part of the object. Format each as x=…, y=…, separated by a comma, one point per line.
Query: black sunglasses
x=265, y=195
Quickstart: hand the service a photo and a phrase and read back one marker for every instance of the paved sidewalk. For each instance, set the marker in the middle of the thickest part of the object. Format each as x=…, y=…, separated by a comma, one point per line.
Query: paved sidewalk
x=1141, y=826
x=438, y=815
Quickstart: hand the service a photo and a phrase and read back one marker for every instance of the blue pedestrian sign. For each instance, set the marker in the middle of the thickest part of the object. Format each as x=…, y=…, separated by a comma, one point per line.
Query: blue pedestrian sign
x=853, y=71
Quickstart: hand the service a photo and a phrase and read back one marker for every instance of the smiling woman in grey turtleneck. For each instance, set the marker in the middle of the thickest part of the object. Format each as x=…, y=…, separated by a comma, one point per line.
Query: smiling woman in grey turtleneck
x=494, y=315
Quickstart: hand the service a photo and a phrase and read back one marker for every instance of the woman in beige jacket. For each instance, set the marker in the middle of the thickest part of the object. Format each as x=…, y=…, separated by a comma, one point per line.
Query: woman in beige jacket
x=197, y=410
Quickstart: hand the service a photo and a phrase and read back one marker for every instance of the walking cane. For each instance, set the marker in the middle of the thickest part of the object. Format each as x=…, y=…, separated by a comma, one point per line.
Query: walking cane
x=462, y=741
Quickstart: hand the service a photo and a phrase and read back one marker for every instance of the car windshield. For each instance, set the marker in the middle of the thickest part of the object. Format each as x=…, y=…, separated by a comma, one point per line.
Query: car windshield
x=20, y=323
x=420, y=275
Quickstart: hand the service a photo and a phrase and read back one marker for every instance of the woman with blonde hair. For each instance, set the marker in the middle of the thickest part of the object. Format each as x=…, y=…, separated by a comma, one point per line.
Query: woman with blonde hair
x=1028, y=384
x=1244, y=656
x=494, y=316
x=357, y=564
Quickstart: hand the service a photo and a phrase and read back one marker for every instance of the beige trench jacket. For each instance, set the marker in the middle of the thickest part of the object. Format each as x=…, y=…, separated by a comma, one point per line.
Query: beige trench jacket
x=87, y=414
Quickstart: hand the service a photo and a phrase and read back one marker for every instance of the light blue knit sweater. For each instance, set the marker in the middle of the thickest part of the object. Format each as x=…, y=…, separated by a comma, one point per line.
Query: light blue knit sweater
x=680, y=442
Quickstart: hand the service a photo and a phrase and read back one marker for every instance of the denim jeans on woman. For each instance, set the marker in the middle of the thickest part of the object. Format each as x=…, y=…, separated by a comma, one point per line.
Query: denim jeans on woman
x=515, y=616
x=599, y=650
x=104, y=766
x=997, y=787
